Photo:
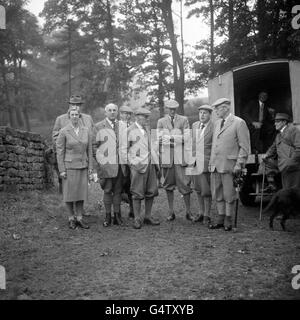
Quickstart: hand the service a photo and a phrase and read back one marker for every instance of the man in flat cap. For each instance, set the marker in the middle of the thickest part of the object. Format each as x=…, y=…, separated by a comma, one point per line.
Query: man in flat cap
x=202, y=134
x=230, y=150
x=171, y=131
x=110, y=170
x=63, y=120
x=143, y=168
x=260, y=120
x=124, y=123
x=284, y=154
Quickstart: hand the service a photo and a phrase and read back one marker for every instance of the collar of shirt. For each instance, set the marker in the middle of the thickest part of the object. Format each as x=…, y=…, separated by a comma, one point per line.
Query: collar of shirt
x=111, y=123
x=140, y=127
x=173, y=117
x=260, y=103
x=282, y=129
x=225, y=119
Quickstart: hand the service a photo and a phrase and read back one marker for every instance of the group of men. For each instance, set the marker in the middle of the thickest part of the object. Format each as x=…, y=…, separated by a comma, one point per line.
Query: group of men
x=130, y=158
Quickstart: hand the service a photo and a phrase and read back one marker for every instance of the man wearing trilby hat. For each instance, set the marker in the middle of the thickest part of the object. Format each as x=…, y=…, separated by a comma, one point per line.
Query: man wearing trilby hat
x=284, y=154
x=230, y=150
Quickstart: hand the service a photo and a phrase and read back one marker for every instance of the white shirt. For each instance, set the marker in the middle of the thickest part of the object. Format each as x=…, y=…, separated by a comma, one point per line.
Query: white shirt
x=111, y=123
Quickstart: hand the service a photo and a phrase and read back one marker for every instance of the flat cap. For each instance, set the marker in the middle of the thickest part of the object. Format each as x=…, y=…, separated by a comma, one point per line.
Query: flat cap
x=205, y=107
x=220, y=102
x=126, y=109
x=282, y=116
x=142, y=111
x=75, y=99
x=171, y=104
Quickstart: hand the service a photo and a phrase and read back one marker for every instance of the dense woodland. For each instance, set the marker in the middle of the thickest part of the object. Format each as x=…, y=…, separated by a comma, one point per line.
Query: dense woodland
x=109, y=50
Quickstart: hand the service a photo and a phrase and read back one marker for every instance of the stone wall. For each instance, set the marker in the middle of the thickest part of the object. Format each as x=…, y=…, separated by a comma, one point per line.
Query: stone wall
x=22, y=161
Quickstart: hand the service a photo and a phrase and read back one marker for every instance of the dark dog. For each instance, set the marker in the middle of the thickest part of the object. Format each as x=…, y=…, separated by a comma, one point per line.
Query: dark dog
x=285, y=202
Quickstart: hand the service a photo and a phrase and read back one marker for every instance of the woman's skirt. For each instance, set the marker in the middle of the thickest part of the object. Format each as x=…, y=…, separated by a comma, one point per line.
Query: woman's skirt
x=75, y=187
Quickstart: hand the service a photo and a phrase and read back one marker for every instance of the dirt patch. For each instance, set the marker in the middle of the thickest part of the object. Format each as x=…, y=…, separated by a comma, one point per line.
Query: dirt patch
x=178, y=260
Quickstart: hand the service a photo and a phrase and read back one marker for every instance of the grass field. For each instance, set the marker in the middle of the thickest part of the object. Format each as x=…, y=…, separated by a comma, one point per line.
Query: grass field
x=178, y=260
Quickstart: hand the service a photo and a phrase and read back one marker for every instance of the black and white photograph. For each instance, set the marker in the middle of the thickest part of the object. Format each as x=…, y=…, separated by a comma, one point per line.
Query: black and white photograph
x=150, y=153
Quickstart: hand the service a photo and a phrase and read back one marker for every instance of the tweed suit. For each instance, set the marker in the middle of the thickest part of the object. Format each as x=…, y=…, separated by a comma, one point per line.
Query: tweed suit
x=286, y=150
x=230, y=149
x=141, y=162
x=172, y=155
x=201, y=151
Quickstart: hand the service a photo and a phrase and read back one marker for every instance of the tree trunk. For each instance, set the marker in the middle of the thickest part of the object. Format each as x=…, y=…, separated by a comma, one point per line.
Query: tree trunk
x=166, y=6
x=160, y=68
x=10, y=108
x=212, y=30
x=230, y=30
x=112, y=79
x=262, y=29
x=26, y=117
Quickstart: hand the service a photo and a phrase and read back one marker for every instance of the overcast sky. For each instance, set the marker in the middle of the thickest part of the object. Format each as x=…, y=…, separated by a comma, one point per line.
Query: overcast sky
x=193, y=29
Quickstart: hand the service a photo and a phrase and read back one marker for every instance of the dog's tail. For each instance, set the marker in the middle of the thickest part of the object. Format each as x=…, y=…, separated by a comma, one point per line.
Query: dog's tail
x=271, y=203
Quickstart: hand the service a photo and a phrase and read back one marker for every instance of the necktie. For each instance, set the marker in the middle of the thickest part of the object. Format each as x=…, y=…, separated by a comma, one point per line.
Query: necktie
x=113, y=123
x=261, y=113
x=172, y=121
x=222, y=124
x=202, y=129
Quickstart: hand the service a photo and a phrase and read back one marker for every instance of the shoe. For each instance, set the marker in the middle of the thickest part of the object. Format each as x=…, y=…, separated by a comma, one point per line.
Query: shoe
x=216, y=226
x=82, y=224
x=228, y=228
x=107, y=220
x=151, y=222
x=137, y=224
x=171, y=217
x=206, y=220
x=72, y=224
x=189, y=217
x=198, y=218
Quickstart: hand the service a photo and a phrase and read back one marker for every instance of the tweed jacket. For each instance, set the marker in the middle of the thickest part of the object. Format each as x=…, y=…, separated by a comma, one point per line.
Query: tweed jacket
x=286, y=149
x=140, y=149
x=174, y=149
x=74, y=152
x=201, y=147
x=106, y=150
x=63, y=120
x=231, y=145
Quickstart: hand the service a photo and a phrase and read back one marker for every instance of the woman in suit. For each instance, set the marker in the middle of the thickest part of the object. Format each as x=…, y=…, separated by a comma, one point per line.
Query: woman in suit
x=74, y=157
